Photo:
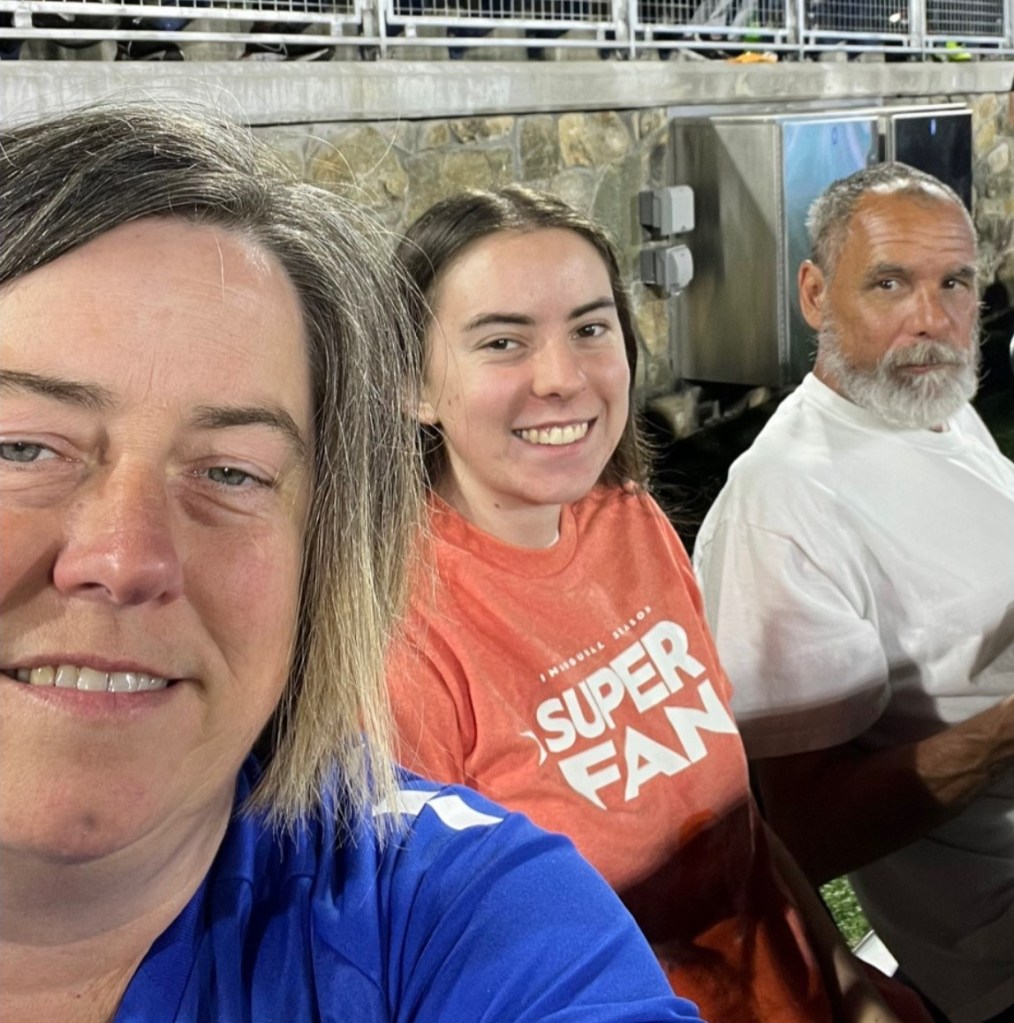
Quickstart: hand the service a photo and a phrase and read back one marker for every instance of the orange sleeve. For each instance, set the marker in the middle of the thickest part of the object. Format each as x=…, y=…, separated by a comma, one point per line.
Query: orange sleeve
x=432, y=713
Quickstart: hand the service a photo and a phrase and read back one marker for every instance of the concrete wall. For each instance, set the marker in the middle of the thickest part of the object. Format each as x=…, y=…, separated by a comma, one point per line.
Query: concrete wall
x=401, y=135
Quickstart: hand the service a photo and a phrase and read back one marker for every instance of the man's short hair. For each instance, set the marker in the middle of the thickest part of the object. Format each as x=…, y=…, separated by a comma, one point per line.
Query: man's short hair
x=830, y=215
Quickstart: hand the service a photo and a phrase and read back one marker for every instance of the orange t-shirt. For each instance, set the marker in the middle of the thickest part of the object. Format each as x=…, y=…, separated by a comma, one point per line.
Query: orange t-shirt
x=580, y=685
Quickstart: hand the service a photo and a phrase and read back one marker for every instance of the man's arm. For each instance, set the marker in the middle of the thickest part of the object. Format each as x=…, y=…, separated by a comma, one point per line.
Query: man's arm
x=873, y=802
x=810, y=671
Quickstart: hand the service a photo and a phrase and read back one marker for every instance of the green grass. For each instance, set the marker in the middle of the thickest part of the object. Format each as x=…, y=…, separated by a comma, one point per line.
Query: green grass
x=841, y=900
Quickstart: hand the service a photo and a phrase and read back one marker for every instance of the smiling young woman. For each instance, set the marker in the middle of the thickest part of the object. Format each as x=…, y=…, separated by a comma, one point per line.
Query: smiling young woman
x=557, y=659
x=527, y=380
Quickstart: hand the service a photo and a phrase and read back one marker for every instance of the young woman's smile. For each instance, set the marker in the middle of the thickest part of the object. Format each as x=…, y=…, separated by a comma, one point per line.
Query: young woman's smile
x=526, y=378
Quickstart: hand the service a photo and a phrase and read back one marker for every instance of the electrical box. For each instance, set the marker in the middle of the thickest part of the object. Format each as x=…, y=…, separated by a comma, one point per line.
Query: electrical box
x=667, y=210
x=670, y=269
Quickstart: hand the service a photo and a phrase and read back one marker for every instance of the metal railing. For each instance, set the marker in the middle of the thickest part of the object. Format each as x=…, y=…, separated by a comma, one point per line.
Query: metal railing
x=955, y=29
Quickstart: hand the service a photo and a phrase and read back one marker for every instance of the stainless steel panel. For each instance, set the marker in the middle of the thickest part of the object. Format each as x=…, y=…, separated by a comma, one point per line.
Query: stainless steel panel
x=814, y=154
x=729, y=330
x=754, y=178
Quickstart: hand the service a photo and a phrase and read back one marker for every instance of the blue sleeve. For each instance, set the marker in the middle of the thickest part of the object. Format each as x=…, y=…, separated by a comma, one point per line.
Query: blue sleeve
x=508, y=924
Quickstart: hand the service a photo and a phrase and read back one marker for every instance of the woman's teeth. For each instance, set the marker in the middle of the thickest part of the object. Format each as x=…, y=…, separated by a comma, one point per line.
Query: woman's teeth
x=67, y=676
x=555, y=435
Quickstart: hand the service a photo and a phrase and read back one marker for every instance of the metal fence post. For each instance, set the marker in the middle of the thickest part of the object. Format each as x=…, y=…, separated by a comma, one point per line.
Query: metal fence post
x=795, y=22
x=917, y=24
x=627, y=11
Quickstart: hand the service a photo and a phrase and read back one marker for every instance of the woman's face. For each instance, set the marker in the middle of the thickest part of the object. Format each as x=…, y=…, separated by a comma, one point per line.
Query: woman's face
x=526, y=377
x=155, y=439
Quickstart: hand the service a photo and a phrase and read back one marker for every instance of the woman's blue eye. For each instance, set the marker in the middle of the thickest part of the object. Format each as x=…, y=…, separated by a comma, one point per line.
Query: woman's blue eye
x=20, y=451
x=228, y=477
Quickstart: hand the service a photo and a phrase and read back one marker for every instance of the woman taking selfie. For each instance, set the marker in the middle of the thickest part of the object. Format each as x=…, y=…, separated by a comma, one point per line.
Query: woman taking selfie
x=202, y=552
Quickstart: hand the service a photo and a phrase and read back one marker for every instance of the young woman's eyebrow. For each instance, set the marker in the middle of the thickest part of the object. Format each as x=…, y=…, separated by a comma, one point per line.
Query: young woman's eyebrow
x=485, y=319
x=520, y=320
x=221, y=417
x=593, y=306
x=71, y=392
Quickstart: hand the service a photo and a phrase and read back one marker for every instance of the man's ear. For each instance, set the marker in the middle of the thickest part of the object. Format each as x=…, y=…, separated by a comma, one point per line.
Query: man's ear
x=812, y=289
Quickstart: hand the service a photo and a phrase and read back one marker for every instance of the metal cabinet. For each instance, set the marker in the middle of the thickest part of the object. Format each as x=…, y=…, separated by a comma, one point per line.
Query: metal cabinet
x=754, y=178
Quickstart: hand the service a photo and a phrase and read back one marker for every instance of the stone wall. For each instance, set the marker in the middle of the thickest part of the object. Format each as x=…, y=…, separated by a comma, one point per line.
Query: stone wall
x=597, y=160
x=993, y=156
x=400, y=134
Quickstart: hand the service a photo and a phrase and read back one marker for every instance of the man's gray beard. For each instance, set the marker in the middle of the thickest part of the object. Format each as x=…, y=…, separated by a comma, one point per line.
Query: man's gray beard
x=911, y=401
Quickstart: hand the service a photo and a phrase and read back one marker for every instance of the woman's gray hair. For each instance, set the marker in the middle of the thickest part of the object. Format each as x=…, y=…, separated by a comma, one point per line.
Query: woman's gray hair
x=449, y=227
x=830, y=214
x=66, y=181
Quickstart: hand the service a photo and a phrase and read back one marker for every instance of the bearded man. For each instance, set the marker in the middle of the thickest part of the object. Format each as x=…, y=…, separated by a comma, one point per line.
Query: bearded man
x=858, y=572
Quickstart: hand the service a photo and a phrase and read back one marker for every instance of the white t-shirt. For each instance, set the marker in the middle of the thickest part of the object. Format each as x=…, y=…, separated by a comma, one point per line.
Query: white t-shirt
x=859, y=580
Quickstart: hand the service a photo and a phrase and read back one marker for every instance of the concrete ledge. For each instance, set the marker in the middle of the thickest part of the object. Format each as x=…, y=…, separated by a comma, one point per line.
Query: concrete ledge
x=290, y=93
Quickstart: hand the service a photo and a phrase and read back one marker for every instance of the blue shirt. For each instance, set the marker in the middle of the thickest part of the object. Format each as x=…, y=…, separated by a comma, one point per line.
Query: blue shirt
x=470, y=914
